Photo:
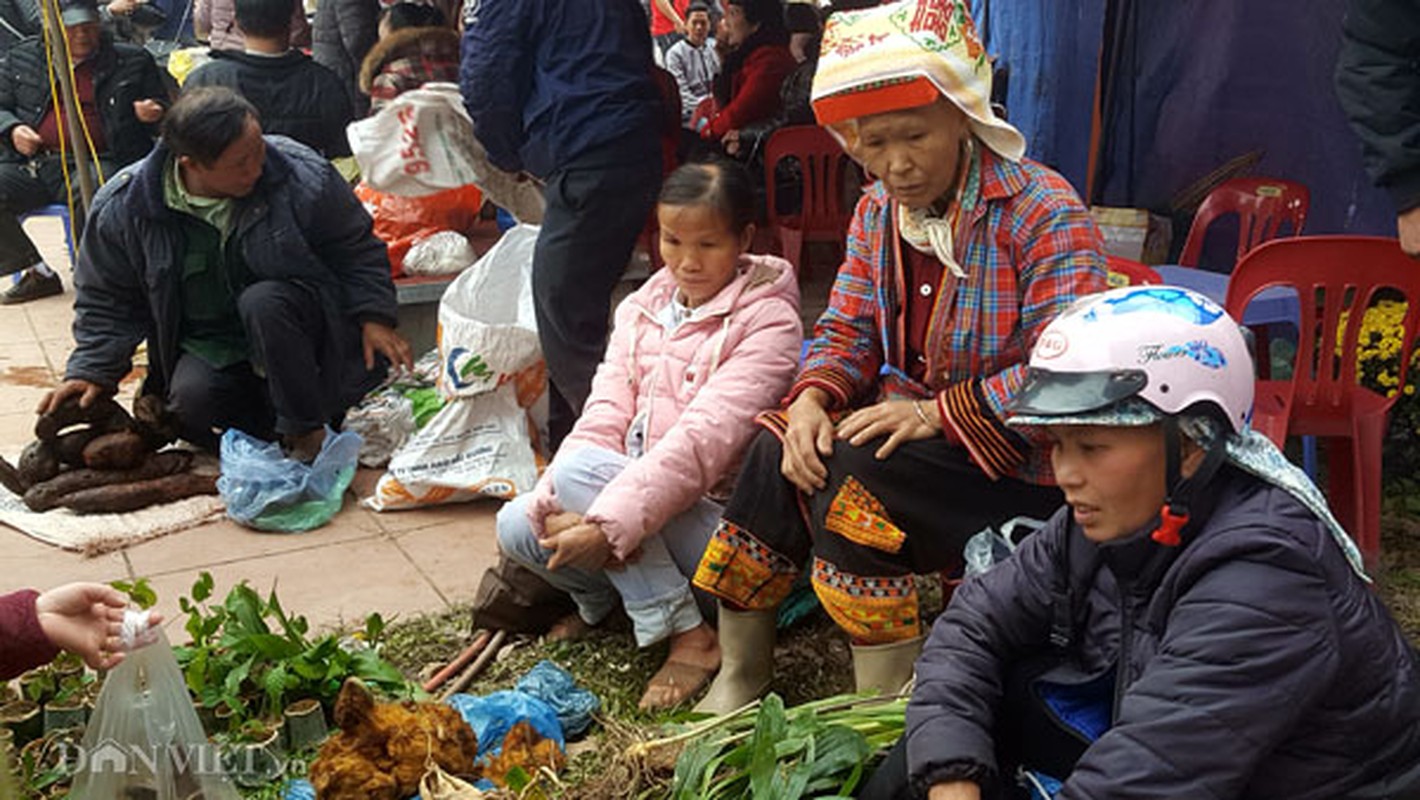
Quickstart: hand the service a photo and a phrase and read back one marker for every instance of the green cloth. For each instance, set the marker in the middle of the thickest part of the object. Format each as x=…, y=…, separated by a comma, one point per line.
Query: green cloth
x=212, y=275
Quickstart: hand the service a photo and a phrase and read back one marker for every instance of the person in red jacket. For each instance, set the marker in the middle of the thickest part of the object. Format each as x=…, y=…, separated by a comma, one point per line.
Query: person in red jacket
x=747, y=88
x=84, y=618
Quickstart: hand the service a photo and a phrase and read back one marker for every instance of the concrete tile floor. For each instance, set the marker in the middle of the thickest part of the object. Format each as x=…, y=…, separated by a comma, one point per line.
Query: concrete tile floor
x=399, y=564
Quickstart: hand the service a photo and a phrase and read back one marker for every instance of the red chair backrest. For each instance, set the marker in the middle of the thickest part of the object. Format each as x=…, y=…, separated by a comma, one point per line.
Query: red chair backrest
x=1263, y=205
x=821, y=165
x=1335, y=277
x=1132, y=272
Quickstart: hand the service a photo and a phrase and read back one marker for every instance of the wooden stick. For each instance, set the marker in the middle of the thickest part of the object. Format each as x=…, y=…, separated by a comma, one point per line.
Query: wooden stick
x=452, y=668
x=476, y=667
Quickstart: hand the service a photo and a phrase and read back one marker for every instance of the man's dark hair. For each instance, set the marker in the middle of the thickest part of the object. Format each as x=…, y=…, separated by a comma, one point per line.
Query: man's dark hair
x=697, y=6
x=722, y=185
x=265, y=18
x=205, y=121
x=414, y=15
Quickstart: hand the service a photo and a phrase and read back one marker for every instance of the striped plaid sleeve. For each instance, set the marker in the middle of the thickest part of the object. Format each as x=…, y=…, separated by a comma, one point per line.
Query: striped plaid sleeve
x=846, y=353
x=1060, y=261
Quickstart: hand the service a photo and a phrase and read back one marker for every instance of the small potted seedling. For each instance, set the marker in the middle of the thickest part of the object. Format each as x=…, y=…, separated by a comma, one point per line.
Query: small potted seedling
x=38, y=685
x=305, y=724
x=24, y=718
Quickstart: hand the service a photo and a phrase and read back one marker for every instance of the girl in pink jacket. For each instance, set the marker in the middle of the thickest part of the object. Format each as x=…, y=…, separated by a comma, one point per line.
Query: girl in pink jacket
x=626, y=507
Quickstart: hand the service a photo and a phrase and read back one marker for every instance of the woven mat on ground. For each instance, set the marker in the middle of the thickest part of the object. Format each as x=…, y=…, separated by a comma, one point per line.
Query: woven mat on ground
x=95, y=534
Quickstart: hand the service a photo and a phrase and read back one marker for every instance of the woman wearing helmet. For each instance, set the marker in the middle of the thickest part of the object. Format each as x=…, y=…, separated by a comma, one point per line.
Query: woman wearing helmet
x=892, y=448
x=1194, y=623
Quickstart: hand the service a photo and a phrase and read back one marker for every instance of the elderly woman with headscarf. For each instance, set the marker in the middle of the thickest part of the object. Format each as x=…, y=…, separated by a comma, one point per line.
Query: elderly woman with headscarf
x=892, y=448
x=753, y=70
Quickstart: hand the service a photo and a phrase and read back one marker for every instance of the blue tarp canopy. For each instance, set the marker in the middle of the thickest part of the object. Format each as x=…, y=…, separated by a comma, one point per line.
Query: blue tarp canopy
x=1182, y=89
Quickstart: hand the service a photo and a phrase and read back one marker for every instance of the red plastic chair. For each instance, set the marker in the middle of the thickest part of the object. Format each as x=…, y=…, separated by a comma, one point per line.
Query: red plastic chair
x=1263, y=205
x=1333, y=275
x=822, y=215
x=1128, y=272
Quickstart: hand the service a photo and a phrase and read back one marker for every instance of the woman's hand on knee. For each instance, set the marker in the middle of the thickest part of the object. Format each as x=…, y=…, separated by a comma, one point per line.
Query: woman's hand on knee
x=955, y=790
x=898, y=420
x=583, y=546
x=808, y=440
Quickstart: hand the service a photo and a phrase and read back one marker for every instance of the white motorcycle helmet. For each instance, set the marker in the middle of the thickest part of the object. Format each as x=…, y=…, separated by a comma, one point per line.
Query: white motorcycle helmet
x=1171, y=347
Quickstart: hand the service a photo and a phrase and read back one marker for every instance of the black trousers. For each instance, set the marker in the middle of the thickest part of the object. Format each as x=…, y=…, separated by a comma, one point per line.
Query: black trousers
x=875, y=526
x=25, y=186
x=286, y=388
x=597, y=206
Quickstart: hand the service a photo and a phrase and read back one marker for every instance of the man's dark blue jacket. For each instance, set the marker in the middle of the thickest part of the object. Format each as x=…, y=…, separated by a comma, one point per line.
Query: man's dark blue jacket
x=548, y=80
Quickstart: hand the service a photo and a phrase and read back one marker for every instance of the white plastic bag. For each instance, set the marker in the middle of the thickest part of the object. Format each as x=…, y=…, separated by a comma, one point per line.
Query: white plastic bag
x=487, y=326
x=441, y=253
x=144, y=738
x=419, y=143
x=384, y=422
x=423, y=142
x=475, y=447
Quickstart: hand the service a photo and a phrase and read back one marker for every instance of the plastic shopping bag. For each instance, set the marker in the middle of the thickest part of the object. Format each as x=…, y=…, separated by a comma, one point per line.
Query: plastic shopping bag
x=420, y=143
x=474, y=447
x=402, y=222
x=987, y=547
x=487, y=326
x=264, y=489
x=144, y=738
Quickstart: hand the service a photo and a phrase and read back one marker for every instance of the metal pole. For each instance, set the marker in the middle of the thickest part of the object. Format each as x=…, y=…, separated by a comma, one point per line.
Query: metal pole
x=69, y=102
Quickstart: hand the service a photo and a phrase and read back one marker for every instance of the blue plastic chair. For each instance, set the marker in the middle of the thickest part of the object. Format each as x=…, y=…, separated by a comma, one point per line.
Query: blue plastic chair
x=61, y=211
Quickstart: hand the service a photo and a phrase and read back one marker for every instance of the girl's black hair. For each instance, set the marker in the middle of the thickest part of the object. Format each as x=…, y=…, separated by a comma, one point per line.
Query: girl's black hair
x=722, y=185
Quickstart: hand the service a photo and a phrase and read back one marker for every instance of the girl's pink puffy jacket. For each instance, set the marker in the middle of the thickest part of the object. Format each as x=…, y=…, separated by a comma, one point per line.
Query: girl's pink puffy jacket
x=699, y=387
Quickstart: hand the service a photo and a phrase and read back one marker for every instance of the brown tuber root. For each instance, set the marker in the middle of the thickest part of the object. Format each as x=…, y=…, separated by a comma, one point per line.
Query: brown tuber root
x=38, y=463
x=105, y=415
x=122, y=497
x=122, y=450
x=51, y=493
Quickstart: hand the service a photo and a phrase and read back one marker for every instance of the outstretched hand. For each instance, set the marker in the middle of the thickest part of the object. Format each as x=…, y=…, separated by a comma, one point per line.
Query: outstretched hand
x=86, y=619
x=382, y=339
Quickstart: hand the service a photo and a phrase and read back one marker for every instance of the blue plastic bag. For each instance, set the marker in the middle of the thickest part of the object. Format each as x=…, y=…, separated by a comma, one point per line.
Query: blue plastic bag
x=264, y=489
x=555, y=686
x=492, y=716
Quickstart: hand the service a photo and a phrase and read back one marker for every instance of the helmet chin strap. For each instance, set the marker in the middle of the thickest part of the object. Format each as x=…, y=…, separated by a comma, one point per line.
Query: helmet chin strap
x=1177, y=503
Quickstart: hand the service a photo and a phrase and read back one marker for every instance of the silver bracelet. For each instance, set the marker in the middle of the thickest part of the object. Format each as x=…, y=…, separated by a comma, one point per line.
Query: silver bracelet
x=922, y=415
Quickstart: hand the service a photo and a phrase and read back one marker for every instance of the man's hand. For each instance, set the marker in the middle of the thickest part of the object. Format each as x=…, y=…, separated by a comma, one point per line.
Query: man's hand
x=808, y=439
x=582, y=546
x=87, y=392
x=147, y=111
x=122, y=7
x=956, y=790
x=1409, y=228
x=895, y=419
x=86, y=619
x=380, y=338
x=26, y=140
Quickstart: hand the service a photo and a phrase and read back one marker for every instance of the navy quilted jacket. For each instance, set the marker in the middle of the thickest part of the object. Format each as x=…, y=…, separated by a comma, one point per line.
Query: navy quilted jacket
x=1250, y=663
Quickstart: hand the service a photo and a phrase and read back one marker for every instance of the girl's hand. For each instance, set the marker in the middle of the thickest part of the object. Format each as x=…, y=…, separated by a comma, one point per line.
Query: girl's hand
x=899, y=420
x=956, y=790
x=582, y=546
x=808, y=439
